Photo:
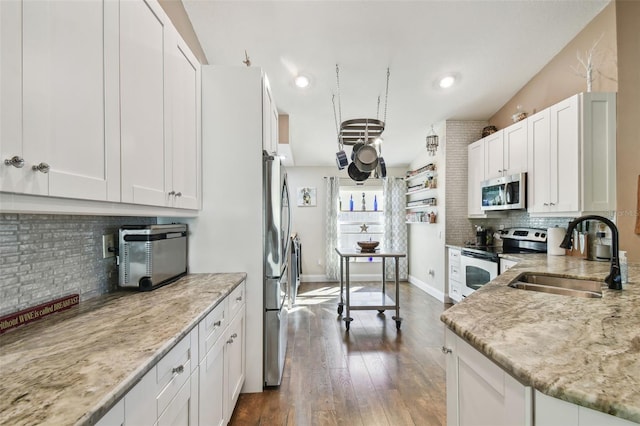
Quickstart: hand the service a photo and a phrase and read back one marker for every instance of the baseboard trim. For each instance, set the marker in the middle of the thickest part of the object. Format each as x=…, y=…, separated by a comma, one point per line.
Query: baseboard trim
x=433, y=292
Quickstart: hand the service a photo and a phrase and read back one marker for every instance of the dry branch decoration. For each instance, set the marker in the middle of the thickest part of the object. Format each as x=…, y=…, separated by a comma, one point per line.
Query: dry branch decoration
x=587, y=67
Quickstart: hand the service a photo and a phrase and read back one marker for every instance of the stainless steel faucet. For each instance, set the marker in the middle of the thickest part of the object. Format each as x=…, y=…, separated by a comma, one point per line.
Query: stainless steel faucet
x=614, y=280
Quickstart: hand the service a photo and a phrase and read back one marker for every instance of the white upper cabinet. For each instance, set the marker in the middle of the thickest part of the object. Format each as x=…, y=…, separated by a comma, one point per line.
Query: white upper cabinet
x=269, y=119
x=476, y=169
x=184, y=162
x=68, y=102
x=572, y=157
x=506, y=151
x=142, y=102
x=160, y=110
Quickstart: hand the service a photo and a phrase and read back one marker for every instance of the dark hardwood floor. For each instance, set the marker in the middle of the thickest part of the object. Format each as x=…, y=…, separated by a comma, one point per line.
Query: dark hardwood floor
x=371, y=375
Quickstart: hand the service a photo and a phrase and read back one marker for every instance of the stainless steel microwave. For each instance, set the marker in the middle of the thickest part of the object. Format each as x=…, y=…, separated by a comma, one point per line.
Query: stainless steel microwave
x=505, y=193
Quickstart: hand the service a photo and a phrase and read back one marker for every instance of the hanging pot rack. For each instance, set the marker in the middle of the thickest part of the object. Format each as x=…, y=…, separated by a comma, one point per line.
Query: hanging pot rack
x=358, y=132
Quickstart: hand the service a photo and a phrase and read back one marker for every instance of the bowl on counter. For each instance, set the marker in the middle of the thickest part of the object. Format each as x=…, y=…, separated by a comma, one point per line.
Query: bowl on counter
x=368, y=246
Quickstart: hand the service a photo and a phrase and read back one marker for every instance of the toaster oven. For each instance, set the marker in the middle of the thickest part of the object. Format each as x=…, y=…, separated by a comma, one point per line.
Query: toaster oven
x=151, y=255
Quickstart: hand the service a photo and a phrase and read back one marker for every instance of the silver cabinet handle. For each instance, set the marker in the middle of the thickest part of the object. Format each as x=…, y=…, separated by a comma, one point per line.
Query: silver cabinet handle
x=230, y=341
x=172, y=192
x=234, y=335
x=446, y=350
x=15, y=161
x=217, y=323
x=545, y=204
x=178, y=194
x=239, y=299
x=42, y=167
x=552, y=204
x=179, y=369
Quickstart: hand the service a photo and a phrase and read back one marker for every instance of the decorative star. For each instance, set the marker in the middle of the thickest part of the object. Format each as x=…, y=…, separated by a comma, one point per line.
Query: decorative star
x=364, y=227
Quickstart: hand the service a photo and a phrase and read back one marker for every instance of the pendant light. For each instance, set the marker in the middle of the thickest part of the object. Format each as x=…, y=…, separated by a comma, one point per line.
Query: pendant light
x=432, y=142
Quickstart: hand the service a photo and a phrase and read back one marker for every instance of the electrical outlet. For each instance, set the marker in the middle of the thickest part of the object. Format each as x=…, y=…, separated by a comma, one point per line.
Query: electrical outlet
x=108, y=241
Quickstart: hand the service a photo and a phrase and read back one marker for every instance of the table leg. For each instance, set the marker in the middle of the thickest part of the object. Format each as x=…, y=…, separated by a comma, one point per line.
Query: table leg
x=341, y=303
x=397, y=317
x=384, y=275
x=347, y=319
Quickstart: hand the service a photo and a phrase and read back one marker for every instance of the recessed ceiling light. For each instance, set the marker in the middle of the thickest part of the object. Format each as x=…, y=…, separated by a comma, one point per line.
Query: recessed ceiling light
x=447, y=81
x=302, y=81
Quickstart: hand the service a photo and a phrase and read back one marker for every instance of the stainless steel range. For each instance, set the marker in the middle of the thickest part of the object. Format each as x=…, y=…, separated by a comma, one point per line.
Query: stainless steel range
x=479, y=264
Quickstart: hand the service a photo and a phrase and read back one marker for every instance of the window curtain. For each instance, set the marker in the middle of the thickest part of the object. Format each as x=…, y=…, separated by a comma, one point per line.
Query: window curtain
x=332, y=260
x=395, y=227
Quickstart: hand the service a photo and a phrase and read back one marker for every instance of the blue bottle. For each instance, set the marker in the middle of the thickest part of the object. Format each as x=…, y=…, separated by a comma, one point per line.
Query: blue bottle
x=351, y=203
x=375, y=203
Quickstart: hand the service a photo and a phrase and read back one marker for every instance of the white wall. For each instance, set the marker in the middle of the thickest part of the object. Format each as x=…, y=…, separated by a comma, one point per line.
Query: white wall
x=427, y=249
x=309, y=222
x=426, y=240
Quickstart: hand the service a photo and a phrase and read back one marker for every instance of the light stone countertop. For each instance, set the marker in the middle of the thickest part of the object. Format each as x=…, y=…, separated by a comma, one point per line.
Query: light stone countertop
x=584, y=351
x=73, y=366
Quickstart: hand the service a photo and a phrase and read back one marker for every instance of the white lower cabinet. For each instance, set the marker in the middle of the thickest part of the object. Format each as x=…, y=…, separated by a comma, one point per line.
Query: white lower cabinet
x=551, y=411
x=481, y=393
x=222, y=370
x=454, y=274
x=198, y=381
x=506, y=264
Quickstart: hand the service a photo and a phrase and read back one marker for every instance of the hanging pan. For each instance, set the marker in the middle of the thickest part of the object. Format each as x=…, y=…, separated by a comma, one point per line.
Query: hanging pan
x=366, y=159
x=356, y=174
x=382, y=168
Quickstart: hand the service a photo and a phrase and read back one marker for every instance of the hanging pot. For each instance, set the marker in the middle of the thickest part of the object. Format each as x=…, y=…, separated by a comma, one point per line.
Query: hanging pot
x=356, y=174
x=341, y=160
x=366, y=159
x=356, y=147
x=382, y=168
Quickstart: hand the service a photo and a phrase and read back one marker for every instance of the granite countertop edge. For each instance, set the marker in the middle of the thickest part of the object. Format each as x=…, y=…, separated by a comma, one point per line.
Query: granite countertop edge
x=198, y=294
x=469, y=319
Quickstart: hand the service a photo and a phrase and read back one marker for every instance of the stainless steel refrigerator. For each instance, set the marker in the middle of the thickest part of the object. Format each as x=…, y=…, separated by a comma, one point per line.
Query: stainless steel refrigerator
x=276, y=228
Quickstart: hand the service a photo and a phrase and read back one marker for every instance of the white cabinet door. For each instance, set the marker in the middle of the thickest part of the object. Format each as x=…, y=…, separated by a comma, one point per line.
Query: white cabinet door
x=494, y=155
x=515, y=148
x=565, y=156
x=139, y=403
x=212, y=385
x=114, y=417
x=183, y=168
x=69, y=111
x=235, y=360
x=481, y=393
x=12, y=177
x=269, y=125
x=542, y=166
x=142, y=102
x=476, y=167
x=454, y=275
x=183, y=408
x=506, y=264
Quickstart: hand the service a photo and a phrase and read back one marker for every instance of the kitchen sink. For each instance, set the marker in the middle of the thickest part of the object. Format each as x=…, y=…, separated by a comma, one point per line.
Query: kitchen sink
x=558, y=284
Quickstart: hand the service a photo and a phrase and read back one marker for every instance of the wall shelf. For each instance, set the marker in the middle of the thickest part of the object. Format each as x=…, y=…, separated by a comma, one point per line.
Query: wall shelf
x=420, y=191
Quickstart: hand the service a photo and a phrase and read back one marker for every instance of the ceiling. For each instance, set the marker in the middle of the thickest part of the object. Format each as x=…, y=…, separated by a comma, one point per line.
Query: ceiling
x=494, y=48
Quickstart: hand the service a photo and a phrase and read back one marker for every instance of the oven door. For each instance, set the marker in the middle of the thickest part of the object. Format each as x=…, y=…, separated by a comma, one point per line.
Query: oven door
x=477, y=270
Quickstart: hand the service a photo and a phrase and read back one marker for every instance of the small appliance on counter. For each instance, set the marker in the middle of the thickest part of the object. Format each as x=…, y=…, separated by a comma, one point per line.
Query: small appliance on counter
x=151, y=255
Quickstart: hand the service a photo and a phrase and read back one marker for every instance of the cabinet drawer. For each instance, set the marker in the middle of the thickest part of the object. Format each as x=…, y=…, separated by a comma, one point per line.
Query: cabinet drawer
x=454, y=257
x=173, y=371
x=236, y=299
x=454, y=273
x=211, y=327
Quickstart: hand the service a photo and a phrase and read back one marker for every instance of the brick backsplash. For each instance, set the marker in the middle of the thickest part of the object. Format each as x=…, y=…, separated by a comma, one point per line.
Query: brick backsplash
x=459, y=134
x=43, y=257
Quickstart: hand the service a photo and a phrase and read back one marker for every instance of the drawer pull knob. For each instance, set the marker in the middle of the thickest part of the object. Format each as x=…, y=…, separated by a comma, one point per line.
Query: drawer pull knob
x=178, y=370
x=217, y=323
x=234, y=335
x=446, y=350
x=178, y=194
x=172, y=192
x=230, y=341
x=42, y=167
x=15, y=161
x=239, y=299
